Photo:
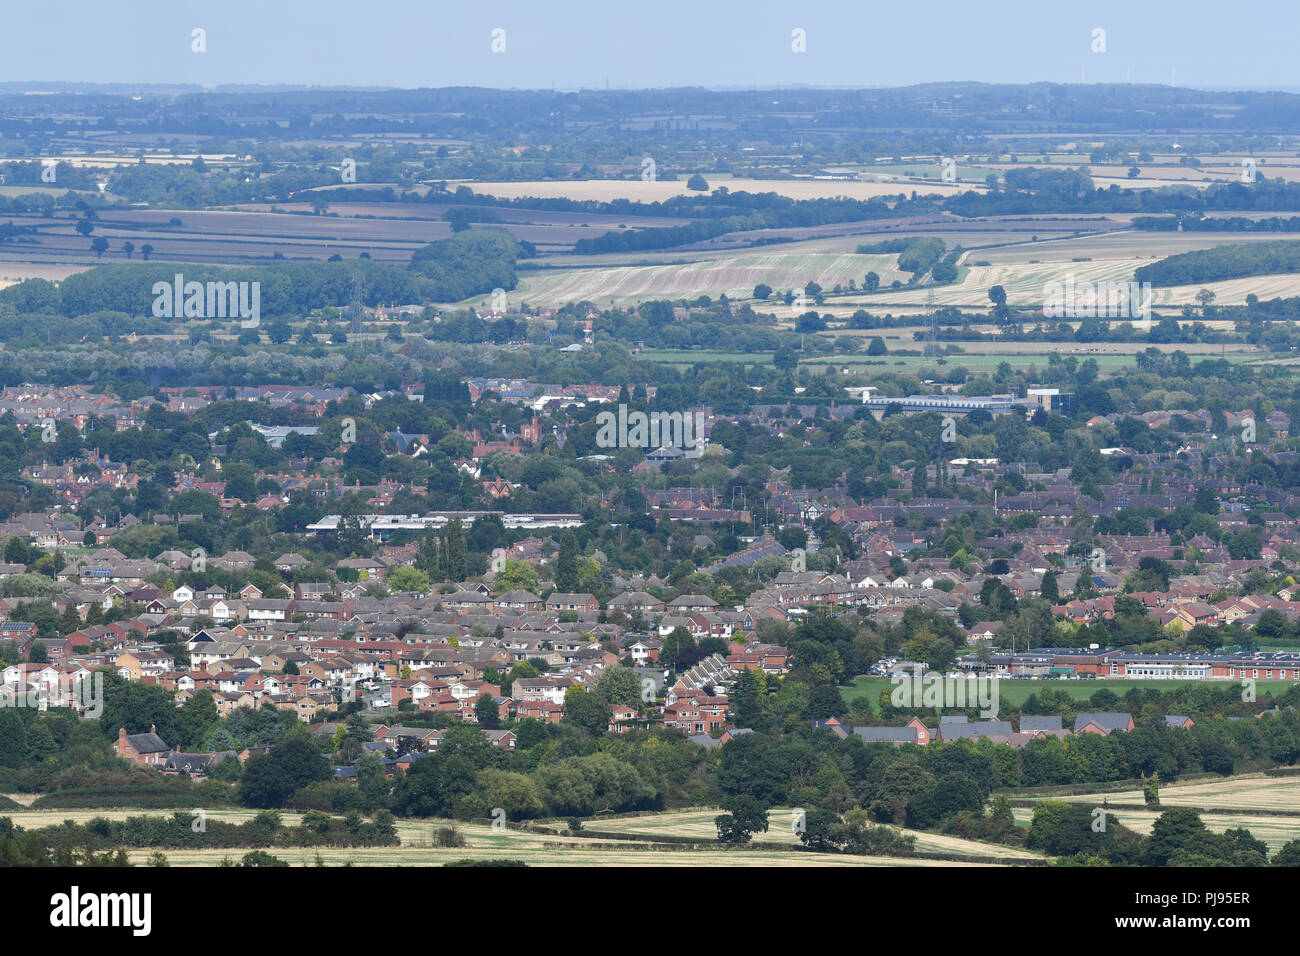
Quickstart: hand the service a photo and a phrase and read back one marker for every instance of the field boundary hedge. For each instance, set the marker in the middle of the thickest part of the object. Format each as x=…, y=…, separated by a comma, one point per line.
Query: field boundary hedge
x=1110, y=786
x=131, y=798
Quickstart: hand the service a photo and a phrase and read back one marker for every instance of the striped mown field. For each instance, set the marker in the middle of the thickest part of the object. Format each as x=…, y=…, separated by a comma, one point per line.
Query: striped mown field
x=734, y=275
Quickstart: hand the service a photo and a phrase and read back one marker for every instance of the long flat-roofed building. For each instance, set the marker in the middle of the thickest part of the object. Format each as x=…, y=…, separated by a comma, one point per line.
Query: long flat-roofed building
x=948, y=404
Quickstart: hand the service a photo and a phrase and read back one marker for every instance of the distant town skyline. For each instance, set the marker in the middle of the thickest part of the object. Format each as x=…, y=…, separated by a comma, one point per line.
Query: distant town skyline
x=570, y=44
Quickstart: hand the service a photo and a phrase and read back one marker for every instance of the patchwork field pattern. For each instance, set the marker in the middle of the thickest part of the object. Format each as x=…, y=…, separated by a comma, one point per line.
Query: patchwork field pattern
x=736, y=276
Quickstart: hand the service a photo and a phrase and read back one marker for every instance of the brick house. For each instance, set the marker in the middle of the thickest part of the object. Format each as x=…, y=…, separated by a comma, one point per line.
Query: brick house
x=696, y=713
x=561, y=601
x=142, y=749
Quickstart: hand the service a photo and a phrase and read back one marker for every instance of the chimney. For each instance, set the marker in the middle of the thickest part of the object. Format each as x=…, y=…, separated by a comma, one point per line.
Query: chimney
x=153, y=729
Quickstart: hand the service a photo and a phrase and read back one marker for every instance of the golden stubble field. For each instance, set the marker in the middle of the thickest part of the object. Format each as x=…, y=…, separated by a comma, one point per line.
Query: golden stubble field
x=11, y=273
x=606, y=190
x=1023, y=267
x=1267, y=806
x=113, y=161
x=1254, y=792
x=699, y=824
x=537, y=849
x=1024, y=270
x=735, y=275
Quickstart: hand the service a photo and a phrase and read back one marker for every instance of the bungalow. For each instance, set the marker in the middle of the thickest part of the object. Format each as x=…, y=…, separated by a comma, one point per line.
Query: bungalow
x=1041, y=725
x=962, y=728
x=501, y=738
x=402, y=740
x=1102, y=723
x=913, y=732
x=193, y=765
x=983, y=632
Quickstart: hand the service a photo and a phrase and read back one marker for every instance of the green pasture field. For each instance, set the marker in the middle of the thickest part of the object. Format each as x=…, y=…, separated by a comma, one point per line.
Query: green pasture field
x=1014, y=692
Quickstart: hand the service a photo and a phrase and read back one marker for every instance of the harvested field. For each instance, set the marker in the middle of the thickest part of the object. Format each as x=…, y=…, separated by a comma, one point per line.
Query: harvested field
x=14, y=272
x=1275, y=800
x=1274, y=831
x=1023, y=269
x=606, y=190
x=539, y=849
x=1243, y=792
x=736, y=276
x=553, y=852
x=699, y=825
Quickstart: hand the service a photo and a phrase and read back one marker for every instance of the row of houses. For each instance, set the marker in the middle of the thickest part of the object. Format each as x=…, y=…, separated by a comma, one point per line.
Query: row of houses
x=952, y=728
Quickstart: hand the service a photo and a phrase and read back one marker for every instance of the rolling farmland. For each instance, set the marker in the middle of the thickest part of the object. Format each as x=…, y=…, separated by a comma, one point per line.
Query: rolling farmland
x=1271, y=805
x=645, y=844
x=1264, y=805
x=1007, y=257
x=1024, y=269
x=735, y=276
x=699, y=824
x=609, y=189
x=1254, y=792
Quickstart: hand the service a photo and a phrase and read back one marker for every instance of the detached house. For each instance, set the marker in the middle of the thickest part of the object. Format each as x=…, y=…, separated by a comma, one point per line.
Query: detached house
x=696, y=713
x=142, y=749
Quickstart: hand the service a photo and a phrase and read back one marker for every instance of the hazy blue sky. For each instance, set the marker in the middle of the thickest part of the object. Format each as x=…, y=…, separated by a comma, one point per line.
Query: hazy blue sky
x=588, y=43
